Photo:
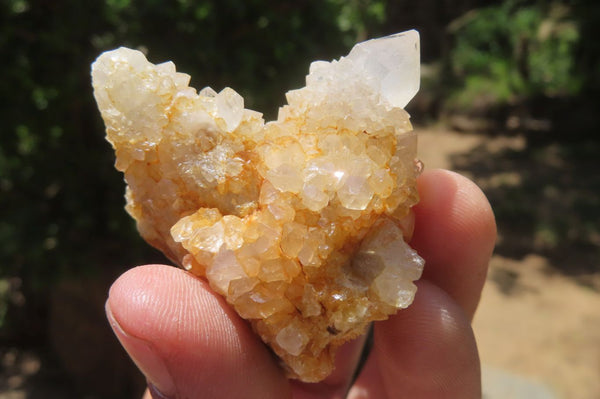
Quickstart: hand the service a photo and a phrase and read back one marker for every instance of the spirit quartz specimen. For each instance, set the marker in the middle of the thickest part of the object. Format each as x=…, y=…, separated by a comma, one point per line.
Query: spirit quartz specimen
x=296, y=222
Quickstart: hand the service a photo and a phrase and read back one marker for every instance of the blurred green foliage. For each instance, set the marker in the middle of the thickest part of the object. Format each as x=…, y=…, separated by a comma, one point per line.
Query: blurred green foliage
x=513, y=51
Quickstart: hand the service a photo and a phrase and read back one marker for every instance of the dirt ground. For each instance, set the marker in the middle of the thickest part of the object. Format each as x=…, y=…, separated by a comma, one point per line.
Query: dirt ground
x=536, y=319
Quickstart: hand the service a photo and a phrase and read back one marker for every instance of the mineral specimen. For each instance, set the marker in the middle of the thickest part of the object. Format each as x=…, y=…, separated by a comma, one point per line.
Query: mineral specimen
x=296, y=222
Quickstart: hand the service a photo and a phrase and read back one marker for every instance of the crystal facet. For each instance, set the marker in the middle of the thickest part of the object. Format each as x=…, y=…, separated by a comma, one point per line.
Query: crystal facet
x=297, y=222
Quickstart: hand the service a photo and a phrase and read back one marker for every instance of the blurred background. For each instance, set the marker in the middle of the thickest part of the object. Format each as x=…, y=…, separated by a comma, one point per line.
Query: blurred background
x=509, y=98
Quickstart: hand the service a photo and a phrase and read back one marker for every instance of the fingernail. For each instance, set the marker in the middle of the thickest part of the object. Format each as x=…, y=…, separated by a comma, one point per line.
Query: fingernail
x=145, y=358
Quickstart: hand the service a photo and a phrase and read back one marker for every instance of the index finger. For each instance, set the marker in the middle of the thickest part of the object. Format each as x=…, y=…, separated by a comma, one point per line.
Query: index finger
x=455, y=232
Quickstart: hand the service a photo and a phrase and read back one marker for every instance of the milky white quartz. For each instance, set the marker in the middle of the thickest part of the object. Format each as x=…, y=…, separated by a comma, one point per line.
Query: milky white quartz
x=297, y=222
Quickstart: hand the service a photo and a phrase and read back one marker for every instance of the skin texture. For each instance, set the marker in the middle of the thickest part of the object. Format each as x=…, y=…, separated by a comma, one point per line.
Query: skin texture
x=190, y=344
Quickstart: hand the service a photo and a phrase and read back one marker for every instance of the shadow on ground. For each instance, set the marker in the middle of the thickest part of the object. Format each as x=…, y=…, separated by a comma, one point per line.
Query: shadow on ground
x=545, y=191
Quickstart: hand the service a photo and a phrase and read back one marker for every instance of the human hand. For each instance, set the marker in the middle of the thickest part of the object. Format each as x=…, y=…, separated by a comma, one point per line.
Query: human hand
x=189, y=343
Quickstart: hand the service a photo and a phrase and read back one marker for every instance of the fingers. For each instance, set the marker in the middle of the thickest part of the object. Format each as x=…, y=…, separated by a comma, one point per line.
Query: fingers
x=187, y=341
x=455, y=233
x=428, y=350
x=425, y=351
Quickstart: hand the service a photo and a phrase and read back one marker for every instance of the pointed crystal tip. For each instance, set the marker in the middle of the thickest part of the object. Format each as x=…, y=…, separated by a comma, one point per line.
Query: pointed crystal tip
x=393, y=64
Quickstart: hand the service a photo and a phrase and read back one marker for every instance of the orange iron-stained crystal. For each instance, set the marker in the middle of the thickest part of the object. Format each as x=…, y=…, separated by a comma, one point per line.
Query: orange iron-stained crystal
x=296, y=222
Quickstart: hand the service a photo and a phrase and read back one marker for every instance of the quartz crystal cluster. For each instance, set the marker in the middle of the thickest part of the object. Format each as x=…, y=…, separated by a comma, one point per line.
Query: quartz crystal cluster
x=296, y=222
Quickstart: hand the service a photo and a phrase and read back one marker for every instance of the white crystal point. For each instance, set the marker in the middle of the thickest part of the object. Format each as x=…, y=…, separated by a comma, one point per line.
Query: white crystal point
x=392, y=64
x=364, y=91
x=378, y=71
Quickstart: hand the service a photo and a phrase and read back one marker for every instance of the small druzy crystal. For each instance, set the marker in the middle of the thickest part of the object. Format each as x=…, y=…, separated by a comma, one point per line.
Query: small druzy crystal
x=296, y=222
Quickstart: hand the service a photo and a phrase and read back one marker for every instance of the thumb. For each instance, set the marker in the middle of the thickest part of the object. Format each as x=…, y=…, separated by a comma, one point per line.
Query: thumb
x=186, y=340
